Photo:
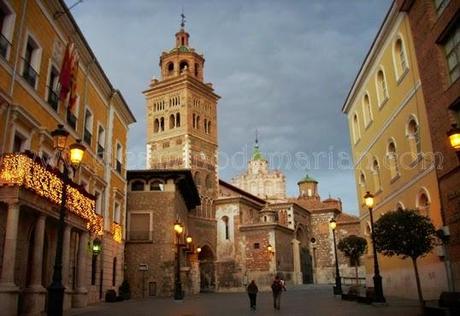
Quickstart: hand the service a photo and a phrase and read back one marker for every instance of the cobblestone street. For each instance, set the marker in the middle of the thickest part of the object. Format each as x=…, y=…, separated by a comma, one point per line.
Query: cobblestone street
x=306, y=300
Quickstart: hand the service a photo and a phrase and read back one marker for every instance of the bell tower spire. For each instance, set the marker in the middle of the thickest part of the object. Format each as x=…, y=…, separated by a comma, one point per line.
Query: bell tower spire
x=182, y=36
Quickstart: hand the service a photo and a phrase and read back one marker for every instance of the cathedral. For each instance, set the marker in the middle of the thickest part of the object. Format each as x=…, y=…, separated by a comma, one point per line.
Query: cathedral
x=246, y=229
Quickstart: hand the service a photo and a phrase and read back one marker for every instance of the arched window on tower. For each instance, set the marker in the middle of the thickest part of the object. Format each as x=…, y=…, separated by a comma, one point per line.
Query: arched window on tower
x=183, y=66
x=205, y=126
x=197, y=178
x=194, y=120
x=177, y=119
x=156, y=126
x=209, y=127
x=197, y=70
x=170, y=68
x=172, y=121
x=162, y=124
x=198, y=122
x=226, y=228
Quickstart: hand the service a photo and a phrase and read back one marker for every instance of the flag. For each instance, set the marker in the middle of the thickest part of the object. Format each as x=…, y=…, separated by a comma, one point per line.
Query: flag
x=68, y=76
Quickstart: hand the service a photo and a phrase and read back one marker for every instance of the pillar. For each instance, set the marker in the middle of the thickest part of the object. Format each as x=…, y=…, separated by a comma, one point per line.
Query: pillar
x=8, y=289
x=297, y=276
x=66, y=268
x=80, y=296
x=35, y=293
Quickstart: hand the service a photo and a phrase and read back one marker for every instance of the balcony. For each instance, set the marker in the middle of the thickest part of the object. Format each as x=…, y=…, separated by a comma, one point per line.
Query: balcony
x=118, y=166
x=71, y=119
x=26, y=170
x=53, y=99
x=87, y=136
x=29, y=74
x=4, y=45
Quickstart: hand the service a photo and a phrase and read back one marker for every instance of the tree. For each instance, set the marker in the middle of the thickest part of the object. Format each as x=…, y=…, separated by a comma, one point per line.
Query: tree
x=353, y=247
x=405, y=233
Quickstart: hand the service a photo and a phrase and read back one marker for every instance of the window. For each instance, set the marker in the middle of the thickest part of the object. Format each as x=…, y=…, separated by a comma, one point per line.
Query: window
x=198, y=122
x=194, y=120
x=452, y=51
x=367, y=110
x=400, y=59
x=226, y=230
x=88, y=132
x=183, y=66
x=209, y=127
x=93, y=269
x=256, y=245
x=423, y=202
x=362, y=184
x=376, y=176
x=19, y=143
x=205, y=126
x=156, y=185
x=392, y=159
x=177, y=119
x=356, y=132
x=71, y=119
x=413, y=135
x=197, y=179
x=197, y=69
x=114, y=271
x=162, y=124
x=137, y=186
x=170, y=68
x=156, y=126
x=172, y=121
x=440, y=5
x=52, y=88
x=98, y=197
x=7, y=17
x=116, y=213
x=100, y=142
x=118, y=158
x=382, y=91
x=208, y=182
x=31, y=62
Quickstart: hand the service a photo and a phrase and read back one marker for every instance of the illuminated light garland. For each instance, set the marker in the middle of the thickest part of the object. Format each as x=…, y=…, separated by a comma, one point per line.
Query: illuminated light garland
x=117, y=232
x=22, y=170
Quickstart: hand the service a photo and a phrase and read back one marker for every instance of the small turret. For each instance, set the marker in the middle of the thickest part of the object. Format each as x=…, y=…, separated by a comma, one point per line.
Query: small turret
x=308, y=187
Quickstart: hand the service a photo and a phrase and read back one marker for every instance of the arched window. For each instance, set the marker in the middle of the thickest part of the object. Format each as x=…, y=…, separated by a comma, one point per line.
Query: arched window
x=413, y=135
x=226, y=228
x=356, y=132
x=170, y=67
x=423, y=202
x=382, y=89
x=183, y=66
x=205, y=126
x=162, y=124
x=194, y=120
x=197, y=70
x=156, y=185
x=209, y=127
x=137, y=185
x=172, y=121
x=367, y=110
x=156, y=126
x=362, y=184
x=400, y=205
x=392, y=159
x=376, y=176
x=400, y=58
x=198, y=122
x=177, y=119
x=208, y=182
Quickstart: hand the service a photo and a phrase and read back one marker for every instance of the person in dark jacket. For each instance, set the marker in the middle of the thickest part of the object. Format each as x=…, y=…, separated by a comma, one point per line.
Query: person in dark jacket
x=277, y=287
x=252, y=292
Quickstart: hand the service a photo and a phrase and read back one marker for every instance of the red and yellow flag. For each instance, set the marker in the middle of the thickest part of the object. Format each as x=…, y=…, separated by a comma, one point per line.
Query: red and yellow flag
x=68, y=76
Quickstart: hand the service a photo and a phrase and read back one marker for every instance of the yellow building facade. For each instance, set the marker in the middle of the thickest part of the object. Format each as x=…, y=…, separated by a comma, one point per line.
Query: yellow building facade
x=392, y=151
x=34, y=35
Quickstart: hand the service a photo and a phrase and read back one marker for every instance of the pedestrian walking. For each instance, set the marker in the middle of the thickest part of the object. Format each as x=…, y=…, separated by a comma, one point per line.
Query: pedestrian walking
x=277, y=288
x=252, y=292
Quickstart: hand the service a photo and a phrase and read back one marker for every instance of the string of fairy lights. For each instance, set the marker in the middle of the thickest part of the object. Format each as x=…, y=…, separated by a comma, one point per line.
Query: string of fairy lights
x=22, y=170
x=117, y=232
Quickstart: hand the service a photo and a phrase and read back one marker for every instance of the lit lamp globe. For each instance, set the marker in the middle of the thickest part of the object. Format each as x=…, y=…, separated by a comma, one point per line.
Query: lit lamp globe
x=198, y=249
x=77, y=152
x=332, y=224
x=188, y=240
x=270, y=248
x=97, y=247
x=178, y=228
x=60, y=137
x=369, y=200
x=454, y=137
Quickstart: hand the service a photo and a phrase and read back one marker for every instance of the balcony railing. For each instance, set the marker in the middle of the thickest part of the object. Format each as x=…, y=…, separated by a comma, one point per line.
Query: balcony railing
x=4, y=45
x=53, y=98
x=26, y=170
x=71, y=119
x=87, y=137
x=118, y=166
x=29, y=73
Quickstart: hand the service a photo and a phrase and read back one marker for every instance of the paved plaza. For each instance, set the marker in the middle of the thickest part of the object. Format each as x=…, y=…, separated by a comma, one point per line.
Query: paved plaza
x=306, y=300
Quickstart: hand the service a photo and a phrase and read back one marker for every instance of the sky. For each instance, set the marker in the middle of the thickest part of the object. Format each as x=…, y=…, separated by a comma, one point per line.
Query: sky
x=281, y=67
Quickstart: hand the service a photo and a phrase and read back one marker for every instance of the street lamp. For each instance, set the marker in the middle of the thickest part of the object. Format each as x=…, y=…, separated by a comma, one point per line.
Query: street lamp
x=454, y=138
x=378, y=288
x=270, y=248
x=338, y=280
x=77, y=150
x=178, y=229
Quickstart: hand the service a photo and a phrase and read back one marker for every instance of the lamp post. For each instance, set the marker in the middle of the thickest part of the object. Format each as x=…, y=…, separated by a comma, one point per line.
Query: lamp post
x=77, y=150
x=378, y=288
x=338, y=279
x=178, y=295
x=454, y=139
